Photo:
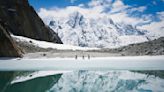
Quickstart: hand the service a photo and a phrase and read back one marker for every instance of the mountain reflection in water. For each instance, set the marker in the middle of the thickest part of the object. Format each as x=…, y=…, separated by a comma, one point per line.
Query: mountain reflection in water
x=40, y=84
x=89, y=81
x=108, y=81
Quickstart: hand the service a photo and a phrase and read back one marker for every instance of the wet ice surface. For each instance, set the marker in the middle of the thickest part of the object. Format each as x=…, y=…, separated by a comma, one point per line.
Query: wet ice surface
x=106, y=63
x=107, y=81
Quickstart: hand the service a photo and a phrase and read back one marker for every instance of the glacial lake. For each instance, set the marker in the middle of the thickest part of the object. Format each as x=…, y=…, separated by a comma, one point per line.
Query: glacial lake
x=88, y=81
x=112, y=74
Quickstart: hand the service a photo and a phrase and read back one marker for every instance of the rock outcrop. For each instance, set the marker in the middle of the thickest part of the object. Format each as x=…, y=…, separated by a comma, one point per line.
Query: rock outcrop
x=154, y=47
x=19, y=18
x=8, y=47
x=24, y=21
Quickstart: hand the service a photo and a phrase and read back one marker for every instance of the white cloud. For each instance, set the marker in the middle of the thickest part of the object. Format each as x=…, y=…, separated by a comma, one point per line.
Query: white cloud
x=102, y=3
x=81, y=5
x=123, y=17
x=72, y=1
x=94, y=3
x=140, y=9
x=160, y=15
x=156, y=26
x=96, y=10
x=118, y=5
x=48, y=14
x=119, y=13
x=154, y=2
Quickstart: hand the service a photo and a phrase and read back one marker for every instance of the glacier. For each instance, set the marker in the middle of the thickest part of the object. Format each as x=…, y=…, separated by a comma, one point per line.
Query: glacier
x=102, y=32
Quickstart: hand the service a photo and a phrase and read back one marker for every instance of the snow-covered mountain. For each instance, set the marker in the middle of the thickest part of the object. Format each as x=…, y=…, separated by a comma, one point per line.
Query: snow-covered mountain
x=80, y=30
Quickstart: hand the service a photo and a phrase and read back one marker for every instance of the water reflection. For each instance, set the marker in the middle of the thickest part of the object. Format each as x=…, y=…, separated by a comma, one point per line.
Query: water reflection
x=41, y=84
x=87, y=81
x=108, y=81
x=5, y=79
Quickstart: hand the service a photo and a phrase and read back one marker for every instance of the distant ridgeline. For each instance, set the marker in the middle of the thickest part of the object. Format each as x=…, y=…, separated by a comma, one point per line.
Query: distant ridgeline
x=19, y=18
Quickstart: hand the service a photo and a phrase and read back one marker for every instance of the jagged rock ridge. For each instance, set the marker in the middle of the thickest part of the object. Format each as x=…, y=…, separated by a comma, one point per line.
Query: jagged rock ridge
x=19, y=18
x=24, y=21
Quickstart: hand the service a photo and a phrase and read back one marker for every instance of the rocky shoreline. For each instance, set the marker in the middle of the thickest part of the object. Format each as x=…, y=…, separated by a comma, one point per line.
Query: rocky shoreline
x=151, y=48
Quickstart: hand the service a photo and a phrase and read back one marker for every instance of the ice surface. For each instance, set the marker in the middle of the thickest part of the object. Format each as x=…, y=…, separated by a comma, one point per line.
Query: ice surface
x=103, y=63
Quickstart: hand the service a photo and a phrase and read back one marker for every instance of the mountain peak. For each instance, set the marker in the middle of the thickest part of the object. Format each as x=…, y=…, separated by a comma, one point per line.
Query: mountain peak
x=96, y=32
x=75, y=19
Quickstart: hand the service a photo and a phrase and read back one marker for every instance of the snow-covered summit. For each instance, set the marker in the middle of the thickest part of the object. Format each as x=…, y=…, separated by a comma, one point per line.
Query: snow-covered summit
x=80, y=30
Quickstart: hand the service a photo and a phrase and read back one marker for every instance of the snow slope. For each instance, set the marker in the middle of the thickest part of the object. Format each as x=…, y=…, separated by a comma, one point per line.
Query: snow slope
x=44, y=44
x=77, y=29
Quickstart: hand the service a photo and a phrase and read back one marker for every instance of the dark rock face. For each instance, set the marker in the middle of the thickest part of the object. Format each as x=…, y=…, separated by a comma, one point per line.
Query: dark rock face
x=24, y=21
x=155, y=47
x=8, y=47
x=19, y=18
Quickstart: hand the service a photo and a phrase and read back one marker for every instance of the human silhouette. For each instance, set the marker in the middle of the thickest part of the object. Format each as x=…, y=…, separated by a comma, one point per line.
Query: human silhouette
x=75, y=56
x=83, y=57
x=88, y=56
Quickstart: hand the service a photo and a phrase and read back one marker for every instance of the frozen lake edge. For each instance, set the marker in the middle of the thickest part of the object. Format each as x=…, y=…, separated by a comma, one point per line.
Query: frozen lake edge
x=106, y=63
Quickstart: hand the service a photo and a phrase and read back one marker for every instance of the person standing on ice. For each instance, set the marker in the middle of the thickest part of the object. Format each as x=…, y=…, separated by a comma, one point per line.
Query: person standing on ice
x=83, y=57
x=88, y=56
x=75, y=56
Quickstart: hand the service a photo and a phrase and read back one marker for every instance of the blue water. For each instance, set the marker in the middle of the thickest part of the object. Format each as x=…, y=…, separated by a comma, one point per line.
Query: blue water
x=89, y=81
